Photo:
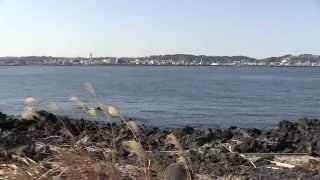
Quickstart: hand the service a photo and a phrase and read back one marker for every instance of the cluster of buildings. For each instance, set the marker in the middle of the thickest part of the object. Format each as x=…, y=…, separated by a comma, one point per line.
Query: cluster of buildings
x=178, y=60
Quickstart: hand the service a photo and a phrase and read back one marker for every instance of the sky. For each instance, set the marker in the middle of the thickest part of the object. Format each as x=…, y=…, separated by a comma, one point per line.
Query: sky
x=256, y=28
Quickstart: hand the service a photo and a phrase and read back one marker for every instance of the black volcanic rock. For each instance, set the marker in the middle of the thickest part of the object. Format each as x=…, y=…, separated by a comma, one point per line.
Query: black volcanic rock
x=300, y=136
x=216, y=152
x=3, y=116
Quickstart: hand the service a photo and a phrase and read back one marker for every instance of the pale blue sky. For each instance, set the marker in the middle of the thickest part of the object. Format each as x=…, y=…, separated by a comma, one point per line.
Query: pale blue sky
x=257, y=28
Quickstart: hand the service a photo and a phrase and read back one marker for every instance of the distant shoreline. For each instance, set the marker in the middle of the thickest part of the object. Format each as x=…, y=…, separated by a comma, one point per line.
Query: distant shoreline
x=145, y=65
x=167, y=60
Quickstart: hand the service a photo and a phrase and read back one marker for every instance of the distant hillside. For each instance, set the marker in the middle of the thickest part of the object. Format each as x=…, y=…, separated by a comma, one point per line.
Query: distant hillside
x=299, y=60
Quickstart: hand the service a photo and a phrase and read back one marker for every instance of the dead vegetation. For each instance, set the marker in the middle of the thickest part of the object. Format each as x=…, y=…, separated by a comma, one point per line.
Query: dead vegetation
x=40, y=145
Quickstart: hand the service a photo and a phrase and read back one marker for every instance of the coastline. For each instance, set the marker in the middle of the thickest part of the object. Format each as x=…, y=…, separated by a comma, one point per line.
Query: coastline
x=289, y=151
x=167, y=59
x=149, y=65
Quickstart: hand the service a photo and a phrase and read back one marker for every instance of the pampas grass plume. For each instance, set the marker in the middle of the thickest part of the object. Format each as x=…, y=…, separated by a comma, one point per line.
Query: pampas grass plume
x=135, y=148
x=90, y=88
x=74, y=98
x=29, y=114
x=53, y=107
x=92, y=112
x=181, y=161
x=29, y=101
x=111, y=111
x=132, y=125
x=172, y=139
x=78, y=102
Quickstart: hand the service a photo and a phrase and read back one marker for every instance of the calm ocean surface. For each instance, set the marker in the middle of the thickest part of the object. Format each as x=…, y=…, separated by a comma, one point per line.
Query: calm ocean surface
x=173, y=96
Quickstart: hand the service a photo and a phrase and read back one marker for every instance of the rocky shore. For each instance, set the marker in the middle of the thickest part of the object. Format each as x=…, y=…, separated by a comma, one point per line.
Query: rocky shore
x=57, y=147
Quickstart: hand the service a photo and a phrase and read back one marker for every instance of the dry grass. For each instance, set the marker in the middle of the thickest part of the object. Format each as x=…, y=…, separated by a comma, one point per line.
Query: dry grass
x=82, y=159
x=23, y=168
x=30, y=101
x=80, y=165
x=76, y=160
x=182, y=159
x=29, y=113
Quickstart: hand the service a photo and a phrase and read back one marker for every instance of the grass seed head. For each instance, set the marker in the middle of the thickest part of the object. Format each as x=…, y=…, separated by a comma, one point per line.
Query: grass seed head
x=135, y=148
x=53, y=107
x=90, y=88
x=79, y=103
x=92, y=112
x=74, y=99
x=111, y=111
x=29, y=113
x=172, y=139
x=181, y=161
x=29, y=101
x=133, y=126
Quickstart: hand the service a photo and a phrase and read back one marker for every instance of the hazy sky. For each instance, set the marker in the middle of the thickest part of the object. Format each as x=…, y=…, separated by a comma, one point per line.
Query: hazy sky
x=256, y=28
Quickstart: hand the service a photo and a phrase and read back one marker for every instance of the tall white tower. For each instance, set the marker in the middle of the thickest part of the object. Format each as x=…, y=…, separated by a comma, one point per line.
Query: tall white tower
x=91, y=58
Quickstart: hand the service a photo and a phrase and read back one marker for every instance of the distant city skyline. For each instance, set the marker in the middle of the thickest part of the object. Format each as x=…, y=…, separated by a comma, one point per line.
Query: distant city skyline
x=142, y=28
